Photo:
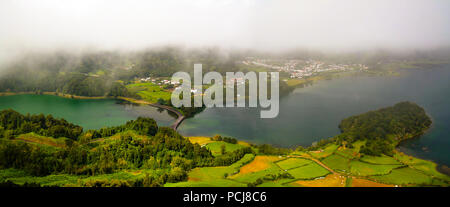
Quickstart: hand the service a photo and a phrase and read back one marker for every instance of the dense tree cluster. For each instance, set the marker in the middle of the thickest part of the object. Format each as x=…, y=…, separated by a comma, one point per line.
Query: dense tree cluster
x=383, y=128
x=402, y=120
x=271, y=150
x=230, y=140
x=14, y=123
x=156, y=148
x=99, y=73
x=142, y=125
x=231, y=157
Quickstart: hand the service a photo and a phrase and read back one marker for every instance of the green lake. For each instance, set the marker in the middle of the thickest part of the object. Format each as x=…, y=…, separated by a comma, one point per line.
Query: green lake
x=306, y=115
x=88, y=113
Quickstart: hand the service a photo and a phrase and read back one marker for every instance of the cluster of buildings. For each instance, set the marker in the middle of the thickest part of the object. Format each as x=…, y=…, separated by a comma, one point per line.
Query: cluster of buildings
x=158, y=81
x=302, y=68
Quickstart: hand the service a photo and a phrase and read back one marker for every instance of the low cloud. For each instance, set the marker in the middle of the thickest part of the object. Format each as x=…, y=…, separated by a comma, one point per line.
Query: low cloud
x=253, y=24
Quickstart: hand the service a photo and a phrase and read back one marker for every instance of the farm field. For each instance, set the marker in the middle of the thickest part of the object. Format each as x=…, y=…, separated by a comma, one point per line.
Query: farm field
x=405, y=176
x=364, y=169
x=284, y=182
x=214, y=176
x=200, y=140
x=265, y=170
x=425, y=166
x=261, y=166
x=309, y=171
x=293, y=163
x=21, y=177
x=258, y=164
x=149, y=91
x=216, y=146
x=357, y=182
x=347, y=153
x=207, y=163
x=386, y=160
x=337, y=162
x=327, y=151
x=331, y=180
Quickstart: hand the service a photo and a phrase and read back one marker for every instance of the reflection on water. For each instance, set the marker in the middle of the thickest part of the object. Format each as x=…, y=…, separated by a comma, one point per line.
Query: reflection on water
x=90, y=114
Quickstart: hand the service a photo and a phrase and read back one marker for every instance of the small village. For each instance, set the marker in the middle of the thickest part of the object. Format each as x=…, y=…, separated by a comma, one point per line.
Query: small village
x=164, y=83
x=302, y=68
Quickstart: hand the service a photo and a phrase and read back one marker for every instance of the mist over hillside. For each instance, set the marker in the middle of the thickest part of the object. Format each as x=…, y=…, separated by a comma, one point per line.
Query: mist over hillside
x=268, y=26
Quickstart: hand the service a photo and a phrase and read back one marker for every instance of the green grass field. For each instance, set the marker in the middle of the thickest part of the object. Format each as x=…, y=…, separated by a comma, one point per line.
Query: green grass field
x=405, y=176
x=310, y=171
x=259, y=168
x=383, y=160
x=285, y=182
x=215, y=183
x=365, y=169
x=347, y=153
x=425, y=166
x=337, y=162
x=214, y=176
x=252, y=177
x=215, y=147
x=293, y=163
x=327, y=151
x=21, y=177
x=149, y=91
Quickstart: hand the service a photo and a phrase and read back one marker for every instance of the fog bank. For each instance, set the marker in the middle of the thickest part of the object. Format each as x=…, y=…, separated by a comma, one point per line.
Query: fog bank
x=270, y=25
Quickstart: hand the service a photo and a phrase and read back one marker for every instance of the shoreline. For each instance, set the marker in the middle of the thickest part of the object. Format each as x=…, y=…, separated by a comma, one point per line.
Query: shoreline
x=313, y=79
x=53, y=94
x=439, y=166
x=177, y=122
x=175, y=125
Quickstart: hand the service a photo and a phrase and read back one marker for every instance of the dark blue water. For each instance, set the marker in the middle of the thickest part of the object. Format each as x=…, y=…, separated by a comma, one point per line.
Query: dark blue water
x=313, y=113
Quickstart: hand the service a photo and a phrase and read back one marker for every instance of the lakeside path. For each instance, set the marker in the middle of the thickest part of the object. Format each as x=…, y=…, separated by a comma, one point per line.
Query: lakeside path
x=177, y=122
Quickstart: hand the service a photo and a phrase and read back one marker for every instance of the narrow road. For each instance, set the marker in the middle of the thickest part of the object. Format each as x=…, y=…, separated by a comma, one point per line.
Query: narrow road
x=323, y=165
x=180, y=118
x=318, y=162
x=177, y=122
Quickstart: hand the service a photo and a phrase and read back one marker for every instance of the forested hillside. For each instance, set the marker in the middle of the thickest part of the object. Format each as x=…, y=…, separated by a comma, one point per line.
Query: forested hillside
x=139, y=153
x=137, y=145
x=103, y=73
x=384, y=128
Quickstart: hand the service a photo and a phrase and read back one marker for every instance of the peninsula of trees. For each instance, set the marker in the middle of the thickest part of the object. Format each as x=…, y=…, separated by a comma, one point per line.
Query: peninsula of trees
x=41, y=150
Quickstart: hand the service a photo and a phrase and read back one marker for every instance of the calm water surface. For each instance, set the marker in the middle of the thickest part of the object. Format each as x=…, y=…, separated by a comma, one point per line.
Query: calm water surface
x=90, y=114
x=313, y=113
x=306, y=115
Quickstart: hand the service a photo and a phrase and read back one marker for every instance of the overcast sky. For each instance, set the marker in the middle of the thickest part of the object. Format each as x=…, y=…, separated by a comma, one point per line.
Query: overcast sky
x=257, y=24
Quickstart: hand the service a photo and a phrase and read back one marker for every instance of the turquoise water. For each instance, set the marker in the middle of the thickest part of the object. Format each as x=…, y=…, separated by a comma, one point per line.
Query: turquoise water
x=90, y=114
x=306, y=115
x=313, y=113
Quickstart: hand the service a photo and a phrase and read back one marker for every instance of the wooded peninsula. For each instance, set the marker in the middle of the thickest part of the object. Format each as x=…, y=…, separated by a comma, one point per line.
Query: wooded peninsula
x=39, y=150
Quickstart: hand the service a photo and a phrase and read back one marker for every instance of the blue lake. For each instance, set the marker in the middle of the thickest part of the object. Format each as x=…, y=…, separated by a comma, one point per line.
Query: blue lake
x=314, y=112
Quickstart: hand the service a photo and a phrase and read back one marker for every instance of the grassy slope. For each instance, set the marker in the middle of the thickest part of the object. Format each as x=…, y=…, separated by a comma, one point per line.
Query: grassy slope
x=352, y=168
x=293, y=163
x=309, y=171
x=337, y=162
x=149, y=91
x=215, y=147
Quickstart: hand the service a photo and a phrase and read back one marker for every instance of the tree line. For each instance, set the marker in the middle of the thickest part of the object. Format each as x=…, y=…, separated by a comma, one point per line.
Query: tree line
x=13, y=123
x=381, y=129
x=160, y=149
